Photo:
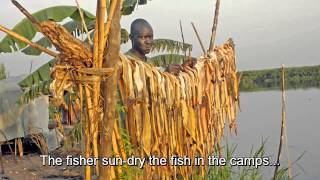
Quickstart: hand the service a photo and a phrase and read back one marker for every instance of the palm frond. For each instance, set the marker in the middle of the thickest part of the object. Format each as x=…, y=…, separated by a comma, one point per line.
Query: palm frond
x=36, y=83
x=27, y=30
x=124, y=36
x=44, y=42
x=129, y=5
x=2, y=71
x=171, y=46
x=164, y=60
x=74, y=26
x=29, y=94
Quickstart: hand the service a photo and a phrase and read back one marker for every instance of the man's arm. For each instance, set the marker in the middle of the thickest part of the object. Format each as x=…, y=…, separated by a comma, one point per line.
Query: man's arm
x=176, y=68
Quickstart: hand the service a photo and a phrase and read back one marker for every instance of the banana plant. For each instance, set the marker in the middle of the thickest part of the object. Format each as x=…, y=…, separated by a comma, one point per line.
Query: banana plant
x=38, y=82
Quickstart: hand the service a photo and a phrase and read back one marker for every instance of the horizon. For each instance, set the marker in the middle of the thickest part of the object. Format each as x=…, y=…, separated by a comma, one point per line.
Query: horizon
x=266, y=33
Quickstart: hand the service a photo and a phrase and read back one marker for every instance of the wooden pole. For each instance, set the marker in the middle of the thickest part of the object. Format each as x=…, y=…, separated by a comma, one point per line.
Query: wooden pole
x=109, y=92
x=20, y=147
x=214, y=27
x=30, y=70
x=107, y=27
x=283, y=120
x=88, y=130
x=288, y=154
x=183, y=45
x=27, y=14
x=1, y=162
x=96, y=39
x=199, y=39
x=101, y=37
x=101, y=11
x=25, y=40
x=83, y=22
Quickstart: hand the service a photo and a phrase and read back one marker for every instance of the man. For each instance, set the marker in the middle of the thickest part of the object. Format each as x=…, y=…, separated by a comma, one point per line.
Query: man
x=141, y=36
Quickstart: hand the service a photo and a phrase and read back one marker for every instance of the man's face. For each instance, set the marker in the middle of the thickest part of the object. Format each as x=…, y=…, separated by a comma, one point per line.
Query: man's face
x=142, y=40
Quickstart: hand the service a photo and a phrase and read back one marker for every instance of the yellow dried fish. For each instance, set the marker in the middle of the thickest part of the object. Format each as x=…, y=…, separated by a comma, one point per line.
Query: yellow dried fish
x=169, y=115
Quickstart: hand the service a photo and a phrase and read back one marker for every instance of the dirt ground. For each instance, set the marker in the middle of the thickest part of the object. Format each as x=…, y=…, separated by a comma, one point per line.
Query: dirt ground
x=30, y=168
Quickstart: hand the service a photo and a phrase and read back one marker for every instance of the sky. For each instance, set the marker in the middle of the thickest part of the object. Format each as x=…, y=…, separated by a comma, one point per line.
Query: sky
x=267, y=33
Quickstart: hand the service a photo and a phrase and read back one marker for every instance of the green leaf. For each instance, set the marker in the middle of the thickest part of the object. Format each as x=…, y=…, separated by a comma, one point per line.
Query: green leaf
x=2, y=71
x=27, y=30
x=36, y=83
x=44, y=42
x=164, y=60
x=129, y=5
x=142, y=2
x=41, y=74
x=124, y=36
x=73, y=26
x=168, y=45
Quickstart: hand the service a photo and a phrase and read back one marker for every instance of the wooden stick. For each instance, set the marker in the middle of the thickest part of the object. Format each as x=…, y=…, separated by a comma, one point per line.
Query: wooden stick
x=199, y=39
x=101, y=41
x=20, y=148
x=214, y=27
x=113, y=6
x=96, y=39
x=27, y=14
x=109, y=91
x=109, y=20
x=283, y=121
x=288, y=154
x=115, y=148
x=119, y=140
x=15, y=147
x=1, y=161
x=101, y=11
x=30, y=70
x=25, y=40
x=83, y=22
x=88, y=130
x=183, y=48
x=98, y=55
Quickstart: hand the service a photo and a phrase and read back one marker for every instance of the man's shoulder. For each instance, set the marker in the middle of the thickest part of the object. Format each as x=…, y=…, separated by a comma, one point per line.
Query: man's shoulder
x=131, y=55
x=130, y=51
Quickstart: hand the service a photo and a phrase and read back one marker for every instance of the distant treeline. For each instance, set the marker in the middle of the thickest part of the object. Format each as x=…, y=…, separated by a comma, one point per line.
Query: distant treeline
x=269, y=79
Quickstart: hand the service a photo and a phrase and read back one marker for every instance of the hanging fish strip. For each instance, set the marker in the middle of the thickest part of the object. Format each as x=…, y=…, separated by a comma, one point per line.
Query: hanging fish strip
x=166, y=115
x=184, y=115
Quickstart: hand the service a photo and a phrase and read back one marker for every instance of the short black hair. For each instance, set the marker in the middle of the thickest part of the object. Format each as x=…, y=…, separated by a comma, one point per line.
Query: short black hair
x=137, y=24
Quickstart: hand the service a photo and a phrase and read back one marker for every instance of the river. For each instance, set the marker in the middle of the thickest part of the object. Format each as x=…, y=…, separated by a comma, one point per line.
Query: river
x=260, y=118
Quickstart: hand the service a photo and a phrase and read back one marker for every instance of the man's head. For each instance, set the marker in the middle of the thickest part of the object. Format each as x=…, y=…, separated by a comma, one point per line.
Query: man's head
x=141, y=36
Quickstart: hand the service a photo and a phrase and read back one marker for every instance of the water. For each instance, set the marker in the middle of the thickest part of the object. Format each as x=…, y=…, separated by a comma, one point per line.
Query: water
x=260, y=118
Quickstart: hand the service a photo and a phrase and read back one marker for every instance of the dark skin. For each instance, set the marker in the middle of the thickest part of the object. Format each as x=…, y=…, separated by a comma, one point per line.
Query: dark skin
x=142, y=41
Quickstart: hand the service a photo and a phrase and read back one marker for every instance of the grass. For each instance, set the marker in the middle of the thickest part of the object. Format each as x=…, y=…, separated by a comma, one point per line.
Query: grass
x=229, y=172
